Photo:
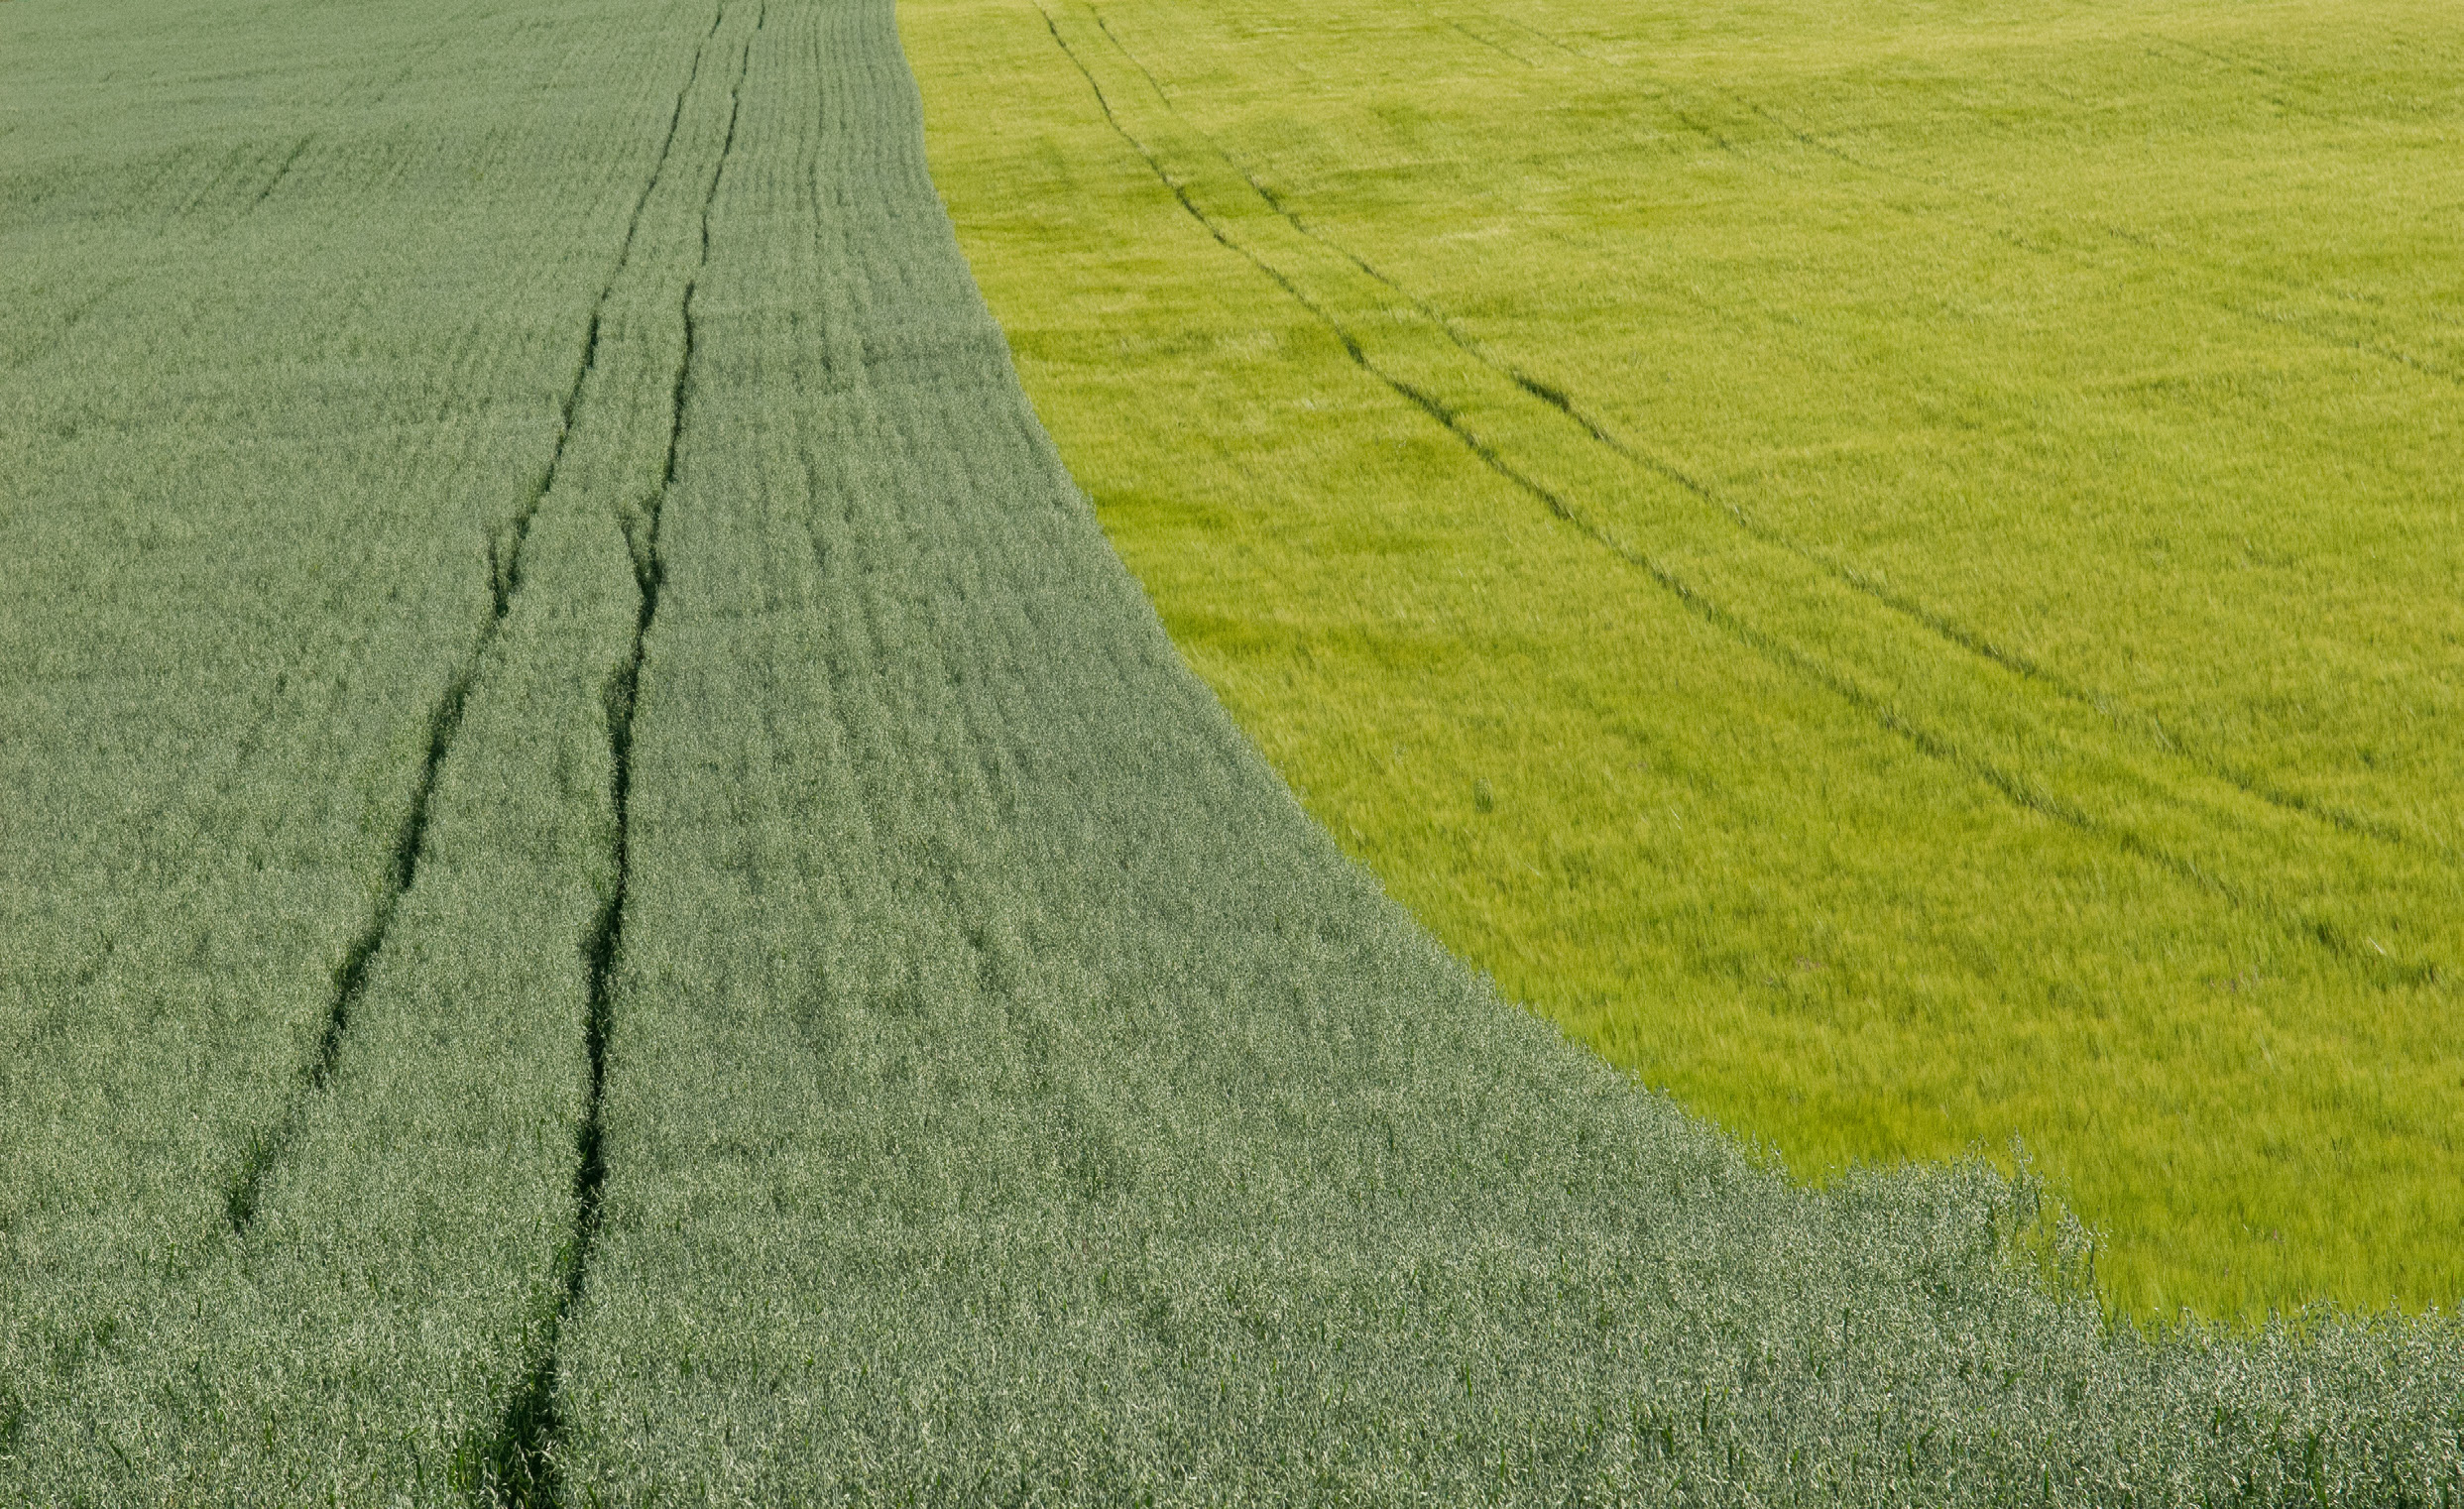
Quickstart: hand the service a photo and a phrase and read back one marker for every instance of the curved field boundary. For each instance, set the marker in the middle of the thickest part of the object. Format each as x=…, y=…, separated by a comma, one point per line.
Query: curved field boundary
x=865, y=1027
x=1014, y=1098
x=2355, y=890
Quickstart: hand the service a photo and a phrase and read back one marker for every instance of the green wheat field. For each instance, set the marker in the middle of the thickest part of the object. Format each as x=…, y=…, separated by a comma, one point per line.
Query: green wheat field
x=1232, y=754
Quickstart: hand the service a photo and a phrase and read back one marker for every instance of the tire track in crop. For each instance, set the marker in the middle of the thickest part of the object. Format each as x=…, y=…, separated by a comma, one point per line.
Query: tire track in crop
x=1436, y=409
x=1934, y=622
x=2205, y=808
x=1938, y=625
x=1498, y=21
x=505, y=551
x=282, y=172
x=522, y=1462
x=1107, y=1201
x=1941, y=626
x=1558, y=504
x=2250, y=782
x=1490, y=43
x=1560, y=400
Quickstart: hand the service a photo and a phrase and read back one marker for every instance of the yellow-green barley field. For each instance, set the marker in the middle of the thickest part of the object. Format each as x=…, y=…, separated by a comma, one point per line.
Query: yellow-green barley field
x=1893, y=567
